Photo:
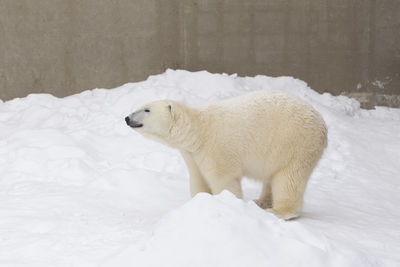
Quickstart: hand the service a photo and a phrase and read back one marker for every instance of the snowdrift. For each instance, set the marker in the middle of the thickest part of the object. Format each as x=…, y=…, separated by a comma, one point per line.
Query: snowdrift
x=79, y=188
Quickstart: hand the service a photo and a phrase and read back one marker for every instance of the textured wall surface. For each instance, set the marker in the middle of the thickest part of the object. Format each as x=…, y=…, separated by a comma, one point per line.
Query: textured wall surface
x=64, y=47
x=334, y=45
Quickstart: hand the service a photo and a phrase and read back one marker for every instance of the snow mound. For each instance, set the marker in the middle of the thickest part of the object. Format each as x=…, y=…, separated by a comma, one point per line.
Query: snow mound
x=226, y=231
x=79, y=188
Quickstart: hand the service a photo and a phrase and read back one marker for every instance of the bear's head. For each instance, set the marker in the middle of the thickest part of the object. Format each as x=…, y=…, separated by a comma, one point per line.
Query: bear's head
x=165, y=121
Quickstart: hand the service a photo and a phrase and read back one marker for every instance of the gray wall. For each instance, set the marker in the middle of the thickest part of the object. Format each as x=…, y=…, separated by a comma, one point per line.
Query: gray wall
x=67, y=46
x=337, y=46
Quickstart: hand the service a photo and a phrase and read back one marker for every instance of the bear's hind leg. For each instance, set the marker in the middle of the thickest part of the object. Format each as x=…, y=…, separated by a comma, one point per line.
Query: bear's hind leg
x=288, y=186
x=265, y=199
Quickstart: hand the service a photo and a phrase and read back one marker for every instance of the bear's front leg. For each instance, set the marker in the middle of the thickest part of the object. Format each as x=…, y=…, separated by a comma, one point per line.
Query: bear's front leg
x=218, y=184
x=222, y=173
x=197, y=182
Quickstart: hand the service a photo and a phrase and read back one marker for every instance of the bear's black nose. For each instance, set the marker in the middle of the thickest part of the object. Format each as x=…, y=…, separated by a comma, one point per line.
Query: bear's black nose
x=127, y=120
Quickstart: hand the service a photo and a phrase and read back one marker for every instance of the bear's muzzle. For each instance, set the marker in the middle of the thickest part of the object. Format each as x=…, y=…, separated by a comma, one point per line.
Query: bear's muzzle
x=132, y=123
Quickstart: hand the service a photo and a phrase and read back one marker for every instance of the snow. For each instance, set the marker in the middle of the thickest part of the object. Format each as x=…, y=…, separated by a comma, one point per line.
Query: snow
x=80, y=188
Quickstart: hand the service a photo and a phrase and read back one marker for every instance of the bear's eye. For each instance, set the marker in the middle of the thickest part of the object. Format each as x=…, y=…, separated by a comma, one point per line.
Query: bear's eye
x=147, y=110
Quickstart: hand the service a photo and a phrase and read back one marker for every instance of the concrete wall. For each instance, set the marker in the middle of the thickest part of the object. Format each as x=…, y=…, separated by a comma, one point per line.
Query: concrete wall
x=63, y=47
x=334, y=45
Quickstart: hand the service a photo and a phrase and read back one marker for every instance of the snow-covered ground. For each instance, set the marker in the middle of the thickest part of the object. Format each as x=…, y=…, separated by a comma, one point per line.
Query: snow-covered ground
x=80, y=188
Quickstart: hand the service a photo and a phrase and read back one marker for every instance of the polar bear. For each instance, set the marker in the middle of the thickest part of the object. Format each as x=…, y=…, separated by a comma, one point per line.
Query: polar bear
x=267, y=135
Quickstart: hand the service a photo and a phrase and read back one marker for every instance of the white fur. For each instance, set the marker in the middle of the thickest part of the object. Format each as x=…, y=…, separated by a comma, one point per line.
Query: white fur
x=270, y=136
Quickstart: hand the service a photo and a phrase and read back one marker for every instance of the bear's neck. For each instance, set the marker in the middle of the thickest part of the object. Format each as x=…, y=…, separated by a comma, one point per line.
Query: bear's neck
x=189, y=130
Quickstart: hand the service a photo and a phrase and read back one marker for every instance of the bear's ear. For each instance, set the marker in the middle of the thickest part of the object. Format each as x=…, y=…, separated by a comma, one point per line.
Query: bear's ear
x=173, y=109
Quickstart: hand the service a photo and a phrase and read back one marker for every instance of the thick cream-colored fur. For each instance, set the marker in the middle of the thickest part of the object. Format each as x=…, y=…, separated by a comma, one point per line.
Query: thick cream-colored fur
x=270, y=136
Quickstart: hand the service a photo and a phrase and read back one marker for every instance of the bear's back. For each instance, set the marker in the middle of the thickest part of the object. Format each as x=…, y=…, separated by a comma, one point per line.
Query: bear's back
x=267, y=126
